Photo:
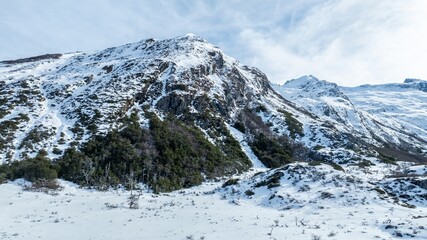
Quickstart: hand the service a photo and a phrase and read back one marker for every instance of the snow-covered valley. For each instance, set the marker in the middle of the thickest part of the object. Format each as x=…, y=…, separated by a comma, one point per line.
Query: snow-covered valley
x=327, y=209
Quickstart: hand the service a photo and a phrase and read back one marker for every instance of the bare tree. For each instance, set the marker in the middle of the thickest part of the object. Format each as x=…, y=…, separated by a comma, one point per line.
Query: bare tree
x=133, y=198
x=88, y=170
x=131, y=180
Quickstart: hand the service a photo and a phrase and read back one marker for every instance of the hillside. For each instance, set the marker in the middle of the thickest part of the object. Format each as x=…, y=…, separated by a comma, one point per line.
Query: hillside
x=175, y=131
x=73, y=96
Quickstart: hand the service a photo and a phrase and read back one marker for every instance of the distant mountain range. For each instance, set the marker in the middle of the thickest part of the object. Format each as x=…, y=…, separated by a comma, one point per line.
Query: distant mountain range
x=383, y=115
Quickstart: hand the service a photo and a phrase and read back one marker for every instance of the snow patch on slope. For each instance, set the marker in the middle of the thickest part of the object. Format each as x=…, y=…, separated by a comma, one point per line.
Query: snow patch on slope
x=256, y=163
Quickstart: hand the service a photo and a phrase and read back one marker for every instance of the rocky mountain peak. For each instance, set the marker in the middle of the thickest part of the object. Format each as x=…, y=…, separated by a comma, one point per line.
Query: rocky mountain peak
x=417, y=84
x=413, y=80
x=302, y=81
x=309, y=85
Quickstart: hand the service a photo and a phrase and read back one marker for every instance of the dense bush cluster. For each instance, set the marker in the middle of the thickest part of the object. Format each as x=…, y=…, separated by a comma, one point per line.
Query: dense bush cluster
x=272, y=150
x=169, y=155
x=31, y=169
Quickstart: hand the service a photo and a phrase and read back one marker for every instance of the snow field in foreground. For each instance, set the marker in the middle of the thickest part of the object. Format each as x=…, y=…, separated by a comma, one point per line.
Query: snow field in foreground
x=195, y=213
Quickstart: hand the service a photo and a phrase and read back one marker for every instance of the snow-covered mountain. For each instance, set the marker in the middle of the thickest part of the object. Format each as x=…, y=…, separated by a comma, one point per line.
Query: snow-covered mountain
x=52, y=101
x=358, y=166
x=382, y=115
x=65, y=98
x=405, y=104
x=325, y=100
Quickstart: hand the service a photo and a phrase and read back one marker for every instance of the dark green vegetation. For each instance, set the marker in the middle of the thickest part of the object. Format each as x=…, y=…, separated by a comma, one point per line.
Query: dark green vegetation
x=332, y=164
x=14, y=95
x=230, y=182
x=386, y=158
x=272, y=150
x=271, y=181
x=36, y=135
x=249, y=193
x=168, y=156
x=171, y=154
x=294, y=126
x=8, y=128
x=391, y=153
x=32, y=169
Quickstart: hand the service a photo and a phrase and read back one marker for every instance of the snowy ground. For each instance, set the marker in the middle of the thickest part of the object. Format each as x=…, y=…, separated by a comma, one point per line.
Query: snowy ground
x=204, y=212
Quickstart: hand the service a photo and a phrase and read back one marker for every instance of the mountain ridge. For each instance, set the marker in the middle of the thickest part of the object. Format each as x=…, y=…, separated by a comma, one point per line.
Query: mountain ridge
x=351, y=109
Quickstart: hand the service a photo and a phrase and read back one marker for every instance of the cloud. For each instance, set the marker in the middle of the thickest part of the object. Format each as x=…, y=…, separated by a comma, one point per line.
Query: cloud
x=350, y=42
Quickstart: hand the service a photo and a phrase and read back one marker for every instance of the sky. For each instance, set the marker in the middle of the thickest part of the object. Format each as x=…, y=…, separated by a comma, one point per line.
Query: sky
x=350, y=42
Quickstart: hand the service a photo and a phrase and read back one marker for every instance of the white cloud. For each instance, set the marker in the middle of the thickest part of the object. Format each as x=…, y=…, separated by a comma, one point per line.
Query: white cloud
x=350, y=42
